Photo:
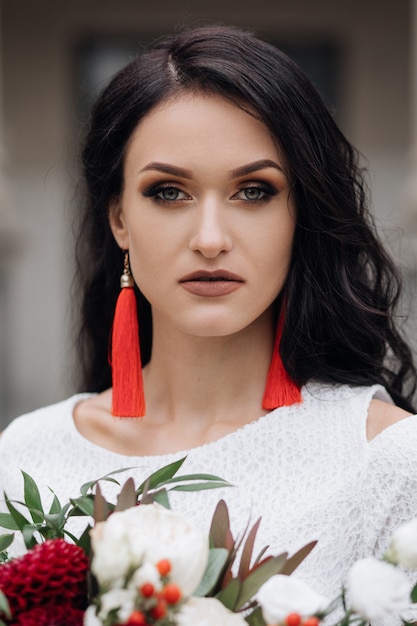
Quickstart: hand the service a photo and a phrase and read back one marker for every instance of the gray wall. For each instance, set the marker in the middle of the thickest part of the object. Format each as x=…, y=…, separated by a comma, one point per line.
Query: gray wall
x=42, y=129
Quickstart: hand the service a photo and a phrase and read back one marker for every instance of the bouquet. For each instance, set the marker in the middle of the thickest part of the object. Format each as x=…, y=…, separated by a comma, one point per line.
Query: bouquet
x=142, y=564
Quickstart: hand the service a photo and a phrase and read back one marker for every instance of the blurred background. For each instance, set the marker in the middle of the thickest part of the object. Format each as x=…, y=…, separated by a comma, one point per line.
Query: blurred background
x=54, y=57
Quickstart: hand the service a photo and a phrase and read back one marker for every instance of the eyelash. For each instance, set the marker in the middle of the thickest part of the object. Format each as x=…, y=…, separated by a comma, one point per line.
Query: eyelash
x=267, y=190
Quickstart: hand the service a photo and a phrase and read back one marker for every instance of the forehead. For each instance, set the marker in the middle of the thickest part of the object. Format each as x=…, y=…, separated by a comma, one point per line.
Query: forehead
x=199, y=126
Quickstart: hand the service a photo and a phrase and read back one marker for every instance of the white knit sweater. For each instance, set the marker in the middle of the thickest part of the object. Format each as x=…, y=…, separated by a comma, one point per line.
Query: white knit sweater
x=307, y=469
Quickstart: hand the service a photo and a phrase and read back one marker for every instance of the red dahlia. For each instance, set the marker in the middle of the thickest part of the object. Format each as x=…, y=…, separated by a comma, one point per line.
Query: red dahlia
x=50, y=616
x=52, y=573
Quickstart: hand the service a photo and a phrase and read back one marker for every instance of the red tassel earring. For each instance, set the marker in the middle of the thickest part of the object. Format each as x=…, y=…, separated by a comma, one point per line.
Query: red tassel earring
x=128, y=397
x=280, y=389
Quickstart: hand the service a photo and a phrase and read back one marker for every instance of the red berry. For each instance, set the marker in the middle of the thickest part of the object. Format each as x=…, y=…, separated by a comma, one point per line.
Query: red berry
x=147, y=590
x=136, y=618
x=164, y=567
x=171, y=593
x=159, y=610
x=293, y=619
x=311, y=621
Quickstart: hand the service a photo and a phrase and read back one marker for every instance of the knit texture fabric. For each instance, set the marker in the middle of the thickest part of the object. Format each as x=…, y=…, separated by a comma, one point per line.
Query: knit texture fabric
x=306, y=469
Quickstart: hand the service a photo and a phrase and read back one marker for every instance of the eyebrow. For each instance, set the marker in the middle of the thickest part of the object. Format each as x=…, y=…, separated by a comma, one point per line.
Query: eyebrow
x=165, y=168
x=254, y=167
x=174, y=170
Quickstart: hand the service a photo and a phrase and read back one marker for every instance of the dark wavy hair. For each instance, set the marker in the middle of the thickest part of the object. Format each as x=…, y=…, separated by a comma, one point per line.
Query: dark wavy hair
x=342, y=288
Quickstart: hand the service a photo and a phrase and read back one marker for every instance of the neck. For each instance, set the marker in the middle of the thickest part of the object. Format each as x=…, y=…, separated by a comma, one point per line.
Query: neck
x=211, y=377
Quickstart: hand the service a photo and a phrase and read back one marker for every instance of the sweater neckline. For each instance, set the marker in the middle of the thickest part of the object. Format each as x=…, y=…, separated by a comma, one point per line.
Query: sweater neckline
x=75, y=399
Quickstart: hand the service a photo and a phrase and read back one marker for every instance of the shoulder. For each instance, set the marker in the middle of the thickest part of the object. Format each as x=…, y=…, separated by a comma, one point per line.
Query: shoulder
x=382, y=415
x=40, y=423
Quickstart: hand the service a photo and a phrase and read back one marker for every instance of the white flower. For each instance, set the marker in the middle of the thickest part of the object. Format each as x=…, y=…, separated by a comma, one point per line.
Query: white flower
x=377, y=589
x=148, y=573
x=112, y=556
x=90, y=617
x=282, y=595
x=403, y=548
x=149, y=533
x=121, y=599
x=206, y=612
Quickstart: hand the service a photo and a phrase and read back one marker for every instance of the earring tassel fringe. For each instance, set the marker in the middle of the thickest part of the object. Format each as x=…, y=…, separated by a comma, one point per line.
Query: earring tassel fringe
x=128, y=395
x=280, y=389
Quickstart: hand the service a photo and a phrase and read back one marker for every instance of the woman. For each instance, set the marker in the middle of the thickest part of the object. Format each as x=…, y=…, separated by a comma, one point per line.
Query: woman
x=216, y=176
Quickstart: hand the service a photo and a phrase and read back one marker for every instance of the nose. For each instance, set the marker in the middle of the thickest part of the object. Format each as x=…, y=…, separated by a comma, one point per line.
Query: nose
x=210, y=236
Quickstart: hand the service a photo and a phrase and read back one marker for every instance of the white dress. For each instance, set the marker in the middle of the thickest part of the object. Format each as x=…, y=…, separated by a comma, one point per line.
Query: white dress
x=307, y=470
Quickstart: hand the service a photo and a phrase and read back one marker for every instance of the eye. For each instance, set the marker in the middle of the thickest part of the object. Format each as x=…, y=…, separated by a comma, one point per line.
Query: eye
x=171, y=194
x=165, y=193
x=255, y=193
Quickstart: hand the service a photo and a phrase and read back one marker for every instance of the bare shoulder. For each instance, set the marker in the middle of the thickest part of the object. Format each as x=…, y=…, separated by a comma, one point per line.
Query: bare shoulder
x=381, y=415
x=88, y=414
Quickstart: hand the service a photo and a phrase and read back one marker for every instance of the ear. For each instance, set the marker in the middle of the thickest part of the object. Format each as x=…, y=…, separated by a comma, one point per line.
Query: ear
x=118, y=224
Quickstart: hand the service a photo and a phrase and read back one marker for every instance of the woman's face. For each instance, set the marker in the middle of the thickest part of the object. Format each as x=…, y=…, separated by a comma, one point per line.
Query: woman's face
x=206, y=214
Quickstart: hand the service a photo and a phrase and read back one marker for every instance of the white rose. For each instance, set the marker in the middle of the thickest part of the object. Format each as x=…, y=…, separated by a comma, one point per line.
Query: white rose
x=403, y=547
x=282, y=595
x=206, y=612
x=121, y=599
x=152, y=533
x=90, y=617
x=146, y=574
x=377, y=589
x=112, y=558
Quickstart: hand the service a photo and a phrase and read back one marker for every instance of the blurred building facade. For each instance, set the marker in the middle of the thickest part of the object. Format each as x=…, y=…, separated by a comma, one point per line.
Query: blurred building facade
x=55, y=54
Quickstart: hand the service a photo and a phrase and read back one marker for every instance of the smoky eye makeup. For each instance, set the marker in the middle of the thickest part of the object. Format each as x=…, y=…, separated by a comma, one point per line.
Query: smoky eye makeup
x=165, y=192
x=256, y=191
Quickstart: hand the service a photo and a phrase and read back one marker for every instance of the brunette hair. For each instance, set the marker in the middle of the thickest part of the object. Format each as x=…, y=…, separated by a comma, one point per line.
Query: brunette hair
x=342, y=288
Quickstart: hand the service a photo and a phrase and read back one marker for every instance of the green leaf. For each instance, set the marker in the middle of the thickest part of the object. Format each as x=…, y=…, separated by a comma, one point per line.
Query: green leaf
x=6, y=541
x=414, y=593
x=33, y=498
x=195, y=477
x=158, y=478
x=73, y=538
x=87, y=487
x=28, y=533
x=229, y=595
x=55, y=521
x=255, y=618
x=297, y=558
x=20, y=519
x=4, y=606
x=55, y=506
x=127, y=496
x=258, y=577
x=161, y=497
x=83, y=506
x=216, y=562
x=51, y=533
x=200, y=486
x=85, y=541
x=8, y=521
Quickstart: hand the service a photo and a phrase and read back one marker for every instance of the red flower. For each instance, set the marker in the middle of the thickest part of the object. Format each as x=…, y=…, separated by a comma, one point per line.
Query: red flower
x=52, y=573
x=63, y=615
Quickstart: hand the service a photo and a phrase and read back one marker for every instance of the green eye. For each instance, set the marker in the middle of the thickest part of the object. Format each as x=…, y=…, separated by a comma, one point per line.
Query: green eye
x=170, y=194
x=253, y=193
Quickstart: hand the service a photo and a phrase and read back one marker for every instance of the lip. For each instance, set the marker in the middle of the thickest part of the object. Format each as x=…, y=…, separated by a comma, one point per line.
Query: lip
x=211, y=284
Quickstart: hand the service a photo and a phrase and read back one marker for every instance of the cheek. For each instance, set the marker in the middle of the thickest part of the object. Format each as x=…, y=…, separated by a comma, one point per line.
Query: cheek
x=150, y=255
